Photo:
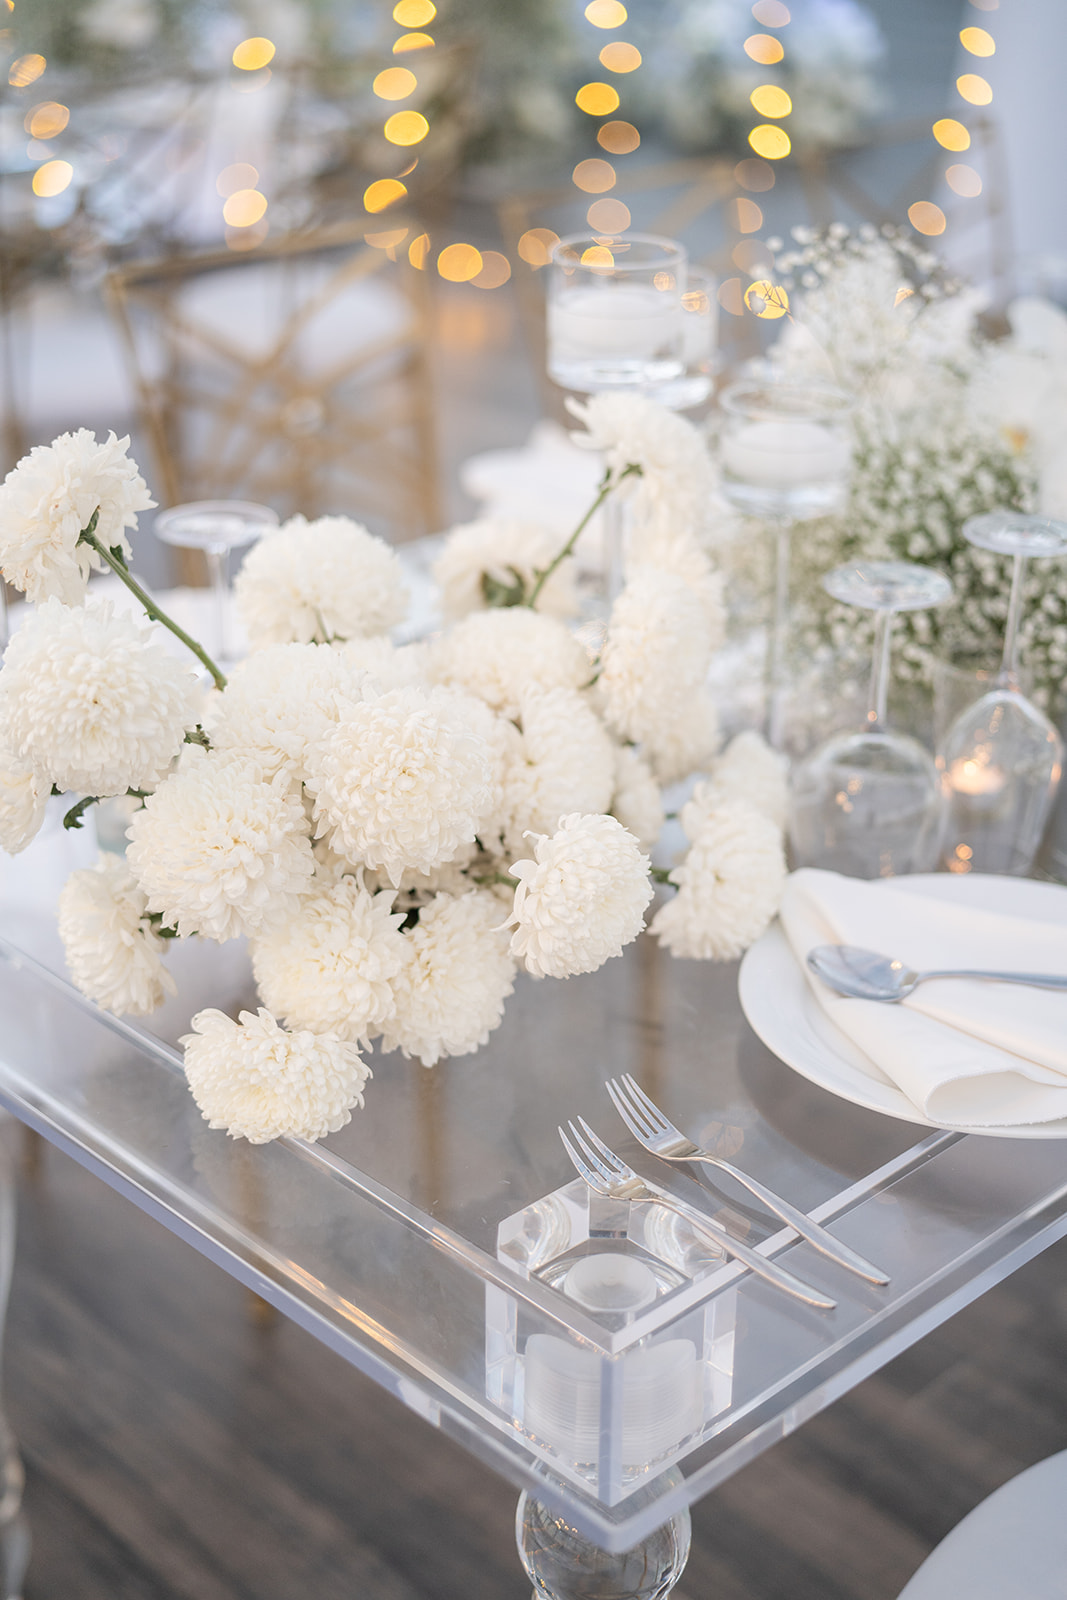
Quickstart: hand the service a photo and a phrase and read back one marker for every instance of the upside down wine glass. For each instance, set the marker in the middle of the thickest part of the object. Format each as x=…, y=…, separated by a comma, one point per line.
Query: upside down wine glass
x=785, y=450
x=1002, y=758
x=216, y=527
x=868, y=804
x=615, y=321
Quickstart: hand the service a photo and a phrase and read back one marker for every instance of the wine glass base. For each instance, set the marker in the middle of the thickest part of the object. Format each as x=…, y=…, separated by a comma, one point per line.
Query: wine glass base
x=867, y=805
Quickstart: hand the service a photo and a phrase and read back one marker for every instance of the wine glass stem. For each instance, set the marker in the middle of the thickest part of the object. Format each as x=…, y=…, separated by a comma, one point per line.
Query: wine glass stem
x=614, y=515
x=217, y=572
x=1009, y=666
x=779, y=634
x=879, y=693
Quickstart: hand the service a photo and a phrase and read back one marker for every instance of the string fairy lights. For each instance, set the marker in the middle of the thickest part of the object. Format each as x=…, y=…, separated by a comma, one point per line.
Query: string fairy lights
x=953, y=135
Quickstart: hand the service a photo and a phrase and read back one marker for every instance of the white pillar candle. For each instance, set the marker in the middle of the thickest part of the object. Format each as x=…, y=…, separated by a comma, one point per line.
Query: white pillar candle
x=784, y=455
x=628, y=321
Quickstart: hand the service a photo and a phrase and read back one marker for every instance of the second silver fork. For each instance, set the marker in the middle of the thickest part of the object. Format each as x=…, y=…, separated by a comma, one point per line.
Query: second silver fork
x=661, y=1138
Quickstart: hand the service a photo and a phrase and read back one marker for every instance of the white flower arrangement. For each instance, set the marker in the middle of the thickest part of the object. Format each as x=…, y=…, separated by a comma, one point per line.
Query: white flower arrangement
x=398, y=831
x=949, y=424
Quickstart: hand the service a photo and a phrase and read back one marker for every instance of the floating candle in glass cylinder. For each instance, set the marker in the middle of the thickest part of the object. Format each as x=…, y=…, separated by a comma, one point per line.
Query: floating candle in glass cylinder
x=785, y=449
x=615, y=315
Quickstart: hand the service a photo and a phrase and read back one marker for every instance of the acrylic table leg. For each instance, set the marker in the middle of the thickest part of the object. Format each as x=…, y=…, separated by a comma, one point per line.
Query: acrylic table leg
x=563, y=1565
x=14, y=1529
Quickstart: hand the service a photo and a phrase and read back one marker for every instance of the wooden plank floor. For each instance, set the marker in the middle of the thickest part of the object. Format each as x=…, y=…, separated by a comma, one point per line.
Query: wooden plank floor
x=177, y=1451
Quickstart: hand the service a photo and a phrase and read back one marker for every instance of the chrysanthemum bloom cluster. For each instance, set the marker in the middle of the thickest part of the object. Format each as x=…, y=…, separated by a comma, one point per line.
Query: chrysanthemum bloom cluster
x=729, y=884
x=114, y=953
x=91, y=702
x=319, y=581
x=50, y=497
x=397, y=831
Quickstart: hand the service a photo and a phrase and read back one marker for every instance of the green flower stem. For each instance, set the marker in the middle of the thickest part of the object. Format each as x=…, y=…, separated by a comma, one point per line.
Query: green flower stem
x=607, y=485
x=120, y=569
x=660, y=875
x=73, y=818
x=496, y=877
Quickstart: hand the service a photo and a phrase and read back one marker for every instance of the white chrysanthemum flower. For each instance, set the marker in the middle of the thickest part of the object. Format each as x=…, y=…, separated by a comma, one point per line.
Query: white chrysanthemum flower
x=392, y=667
x=686, y=740
x=319, y=581
x=677, y=477
x=729, y=886
x=451, y=993
x=278, y=701
x=330, y=967
x=747, y=770
x=220, y=852
x=496, y=655
x=678, y=552
x=500, y=548
x=259, y=1082
x=656, y=654
x=404, y=780
x=49, y=498
x=114, y=954
x=565, y=760
x=91, y=702
x=637, y=802
x=582, y=898
x=23, y=802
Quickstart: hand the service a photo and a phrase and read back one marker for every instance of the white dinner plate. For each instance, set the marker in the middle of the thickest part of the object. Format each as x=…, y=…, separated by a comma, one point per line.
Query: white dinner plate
x=777, y=1000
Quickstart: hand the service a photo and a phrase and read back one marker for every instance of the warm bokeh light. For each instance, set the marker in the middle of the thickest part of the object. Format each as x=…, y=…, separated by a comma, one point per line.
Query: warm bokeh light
x=608, y=216
x=754, y=175
x=902, y=294
x=244, y=207
x=745, y=215
x=395, y=83
x=46, y=120
x=496, y=270
x=536, y=246
x=977, y=42
x=762, y=48
x=767, y=300
x=753, y=257
x=771, y=142
x=770, y=101
x=412, y=41
x=620, y=57
x=594, y=176
x=926, y=218
x=605, y=13
x=731, y=298
x=241, y=175
x=251, y=54
x=771, y=13
x=385, y=192
x=418, y=250
x=26, y=69
x=459, y=263
x=406, y=127
x=52, y=178
x=951, y=135
x=597, y=99
x=621, y=138
x=963, y=180
x=598, y=256
x=414, y=13
x=388, y=239
x=974, y=89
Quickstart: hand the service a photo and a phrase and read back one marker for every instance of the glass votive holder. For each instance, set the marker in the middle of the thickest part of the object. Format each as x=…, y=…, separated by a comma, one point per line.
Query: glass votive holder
x=700, y=345
x=785, y=448
x=615, y=311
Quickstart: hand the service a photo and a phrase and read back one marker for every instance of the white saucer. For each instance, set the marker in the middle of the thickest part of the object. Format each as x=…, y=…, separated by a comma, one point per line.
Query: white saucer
x=781, y=1009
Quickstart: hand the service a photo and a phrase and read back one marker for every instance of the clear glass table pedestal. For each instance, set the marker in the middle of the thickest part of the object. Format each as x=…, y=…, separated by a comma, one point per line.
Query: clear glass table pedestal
x=14, y=1528
x=564, y=1565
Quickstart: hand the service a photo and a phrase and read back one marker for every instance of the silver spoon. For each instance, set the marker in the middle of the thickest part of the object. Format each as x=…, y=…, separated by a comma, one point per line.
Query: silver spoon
x=865, y=975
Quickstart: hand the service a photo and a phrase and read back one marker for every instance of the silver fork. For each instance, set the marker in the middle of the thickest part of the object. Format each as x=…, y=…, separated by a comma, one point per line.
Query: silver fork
x=659, y=1136
x=608, y=1174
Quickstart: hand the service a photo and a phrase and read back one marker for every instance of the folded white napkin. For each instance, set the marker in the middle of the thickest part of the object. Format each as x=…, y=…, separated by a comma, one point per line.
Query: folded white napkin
x=966, y=1053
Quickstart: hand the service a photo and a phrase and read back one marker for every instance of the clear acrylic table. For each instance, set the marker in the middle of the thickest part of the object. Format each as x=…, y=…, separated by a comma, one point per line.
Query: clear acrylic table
x=430, y=1241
